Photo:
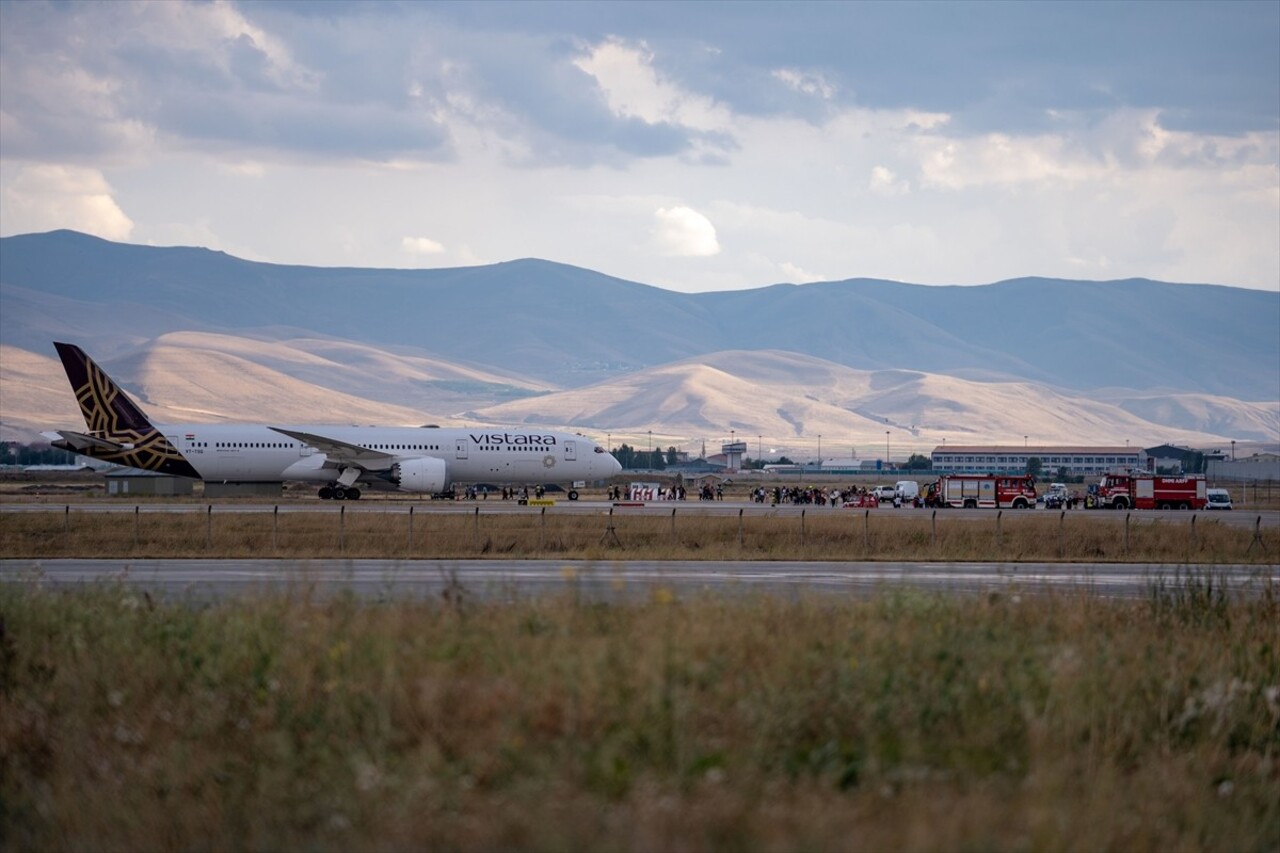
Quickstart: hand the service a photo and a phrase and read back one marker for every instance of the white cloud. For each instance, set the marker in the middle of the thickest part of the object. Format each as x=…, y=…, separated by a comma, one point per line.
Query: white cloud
x=806, y=83
x=421, y=246
x=633, y=88
x=799, y=275
x=884, y=182
x=682, y=231
x=44, y=198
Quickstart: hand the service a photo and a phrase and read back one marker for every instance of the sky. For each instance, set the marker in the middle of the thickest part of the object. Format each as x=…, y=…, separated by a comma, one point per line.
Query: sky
x=691, y=146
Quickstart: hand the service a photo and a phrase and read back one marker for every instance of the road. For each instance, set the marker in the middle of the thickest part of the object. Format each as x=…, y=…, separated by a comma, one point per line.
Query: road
x=206, y=580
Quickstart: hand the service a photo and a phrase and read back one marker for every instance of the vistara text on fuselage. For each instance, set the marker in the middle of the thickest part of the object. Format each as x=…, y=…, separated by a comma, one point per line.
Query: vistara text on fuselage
x=340, y=458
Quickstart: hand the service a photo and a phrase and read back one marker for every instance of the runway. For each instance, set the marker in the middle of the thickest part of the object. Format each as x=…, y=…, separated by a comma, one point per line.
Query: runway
x=623, y=580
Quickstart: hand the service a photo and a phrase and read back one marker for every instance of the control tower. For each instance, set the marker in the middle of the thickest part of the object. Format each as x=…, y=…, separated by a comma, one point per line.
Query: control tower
x=733, y=453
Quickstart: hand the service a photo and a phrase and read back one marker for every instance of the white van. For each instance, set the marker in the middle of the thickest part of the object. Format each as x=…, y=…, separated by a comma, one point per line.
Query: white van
x=908, y=490
x=1217, y=499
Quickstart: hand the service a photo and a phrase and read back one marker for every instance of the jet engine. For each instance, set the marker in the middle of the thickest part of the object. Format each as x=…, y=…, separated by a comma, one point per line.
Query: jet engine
x=423, y=474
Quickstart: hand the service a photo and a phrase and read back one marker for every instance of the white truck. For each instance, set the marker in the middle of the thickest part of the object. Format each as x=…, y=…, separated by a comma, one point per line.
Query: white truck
x=884, y=493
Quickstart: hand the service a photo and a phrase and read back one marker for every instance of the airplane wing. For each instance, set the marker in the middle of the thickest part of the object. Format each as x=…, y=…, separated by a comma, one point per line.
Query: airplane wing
x=342, y=453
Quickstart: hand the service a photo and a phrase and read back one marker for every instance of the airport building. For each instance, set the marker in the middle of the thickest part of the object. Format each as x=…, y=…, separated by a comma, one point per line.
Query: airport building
x=1012, y=459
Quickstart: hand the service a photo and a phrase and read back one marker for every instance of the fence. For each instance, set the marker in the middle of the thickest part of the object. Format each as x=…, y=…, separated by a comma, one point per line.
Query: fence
x=657, y=533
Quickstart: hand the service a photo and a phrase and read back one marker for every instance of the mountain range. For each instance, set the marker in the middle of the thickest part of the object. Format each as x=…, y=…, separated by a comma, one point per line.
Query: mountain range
x=200, y=335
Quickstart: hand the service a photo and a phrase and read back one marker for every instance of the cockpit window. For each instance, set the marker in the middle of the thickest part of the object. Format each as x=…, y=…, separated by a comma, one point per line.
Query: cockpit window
x=599, y=449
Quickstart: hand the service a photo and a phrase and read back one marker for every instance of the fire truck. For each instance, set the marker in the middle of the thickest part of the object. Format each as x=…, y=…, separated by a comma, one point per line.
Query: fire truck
x=992, y=491
x=1137, y=490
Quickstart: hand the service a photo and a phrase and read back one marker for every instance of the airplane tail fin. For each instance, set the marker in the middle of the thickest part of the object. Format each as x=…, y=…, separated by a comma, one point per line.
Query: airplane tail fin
x=118, y=431
x=107, y=411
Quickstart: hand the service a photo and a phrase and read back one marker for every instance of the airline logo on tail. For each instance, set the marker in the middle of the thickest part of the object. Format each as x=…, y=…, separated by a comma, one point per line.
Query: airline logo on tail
x=118, y=431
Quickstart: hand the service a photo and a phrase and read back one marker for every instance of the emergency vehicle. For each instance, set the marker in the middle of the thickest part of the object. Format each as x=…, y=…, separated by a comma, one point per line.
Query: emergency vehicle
x=991, y=491
x=1138, y=490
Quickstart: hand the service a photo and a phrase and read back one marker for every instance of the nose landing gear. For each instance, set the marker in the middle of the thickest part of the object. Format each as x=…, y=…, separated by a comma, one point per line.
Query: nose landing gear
x=339, y=493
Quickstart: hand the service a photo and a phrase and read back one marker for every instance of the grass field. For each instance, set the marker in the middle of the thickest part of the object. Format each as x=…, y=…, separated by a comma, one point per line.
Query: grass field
x=904, y=720
x=821, y=534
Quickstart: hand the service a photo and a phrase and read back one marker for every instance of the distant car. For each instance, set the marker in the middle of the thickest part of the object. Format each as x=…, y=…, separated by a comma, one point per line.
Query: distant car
x=908, y=490
x=1217, y=499
x=885, y=493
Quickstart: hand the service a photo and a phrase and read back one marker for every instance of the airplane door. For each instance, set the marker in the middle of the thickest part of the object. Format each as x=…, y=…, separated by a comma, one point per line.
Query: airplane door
x=570, y=451
x=462, y=449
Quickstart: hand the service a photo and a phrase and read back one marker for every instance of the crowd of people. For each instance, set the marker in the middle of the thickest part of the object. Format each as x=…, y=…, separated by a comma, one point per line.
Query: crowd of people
x=817, y=496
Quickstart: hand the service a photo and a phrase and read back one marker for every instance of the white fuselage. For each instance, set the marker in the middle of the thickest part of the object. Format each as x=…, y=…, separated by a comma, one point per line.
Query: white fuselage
x=258, y=453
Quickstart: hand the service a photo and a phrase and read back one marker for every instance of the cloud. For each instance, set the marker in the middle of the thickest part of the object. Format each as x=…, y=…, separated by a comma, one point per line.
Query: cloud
x=50, y=197
x=799, y=275
x=805, y=82
x=682, y=231
x=421, y=246
x=884, y=182
x=633, y=88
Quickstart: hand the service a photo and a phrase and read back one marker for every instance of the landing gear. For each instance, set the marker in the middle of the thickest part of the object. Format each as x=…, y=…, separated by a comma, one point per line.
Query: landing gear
x=339, y=493
x=573, y=494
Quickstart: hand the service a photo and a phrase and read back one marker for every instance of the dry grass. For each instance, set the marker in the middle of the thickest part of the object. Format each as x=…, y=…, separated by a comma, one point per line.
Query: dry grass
x=905, y=720
x=819, y=535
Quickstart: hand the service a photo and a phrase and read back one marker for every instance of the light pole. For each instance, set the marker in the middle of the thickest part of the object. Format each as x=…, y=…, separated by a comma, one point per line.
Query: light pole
x=609, y=441
x=651, y=448
x=1233, y=450
x=1024, y=442
x=759, y=444
x=820, y=449
x=886, y=449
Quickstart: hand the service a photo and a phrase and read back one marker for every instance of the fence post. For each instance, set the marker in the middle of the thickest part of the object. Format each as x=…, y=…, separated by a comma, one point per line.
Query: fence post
x=802, y=528
x=610, y=533
x=135, y=525
x=673, y=526
x=933, y=525
x=477, y=527
x=66, y=520
x=410, y=527
x=866, y=530
x=1257, y=531
x=1061, y=520
x=542, y=531
x=342, y=528
x=999, y=538
x=1127, y=515
x=208, y=527
x=275, y=527
x=1193, y=530
x=741, y=538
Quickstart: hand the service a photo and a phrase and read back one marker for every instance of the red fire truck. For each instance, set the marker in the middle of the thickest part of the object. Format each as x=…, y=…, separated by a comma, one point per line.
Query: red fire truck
x=1137, y=490
x=1004, y=491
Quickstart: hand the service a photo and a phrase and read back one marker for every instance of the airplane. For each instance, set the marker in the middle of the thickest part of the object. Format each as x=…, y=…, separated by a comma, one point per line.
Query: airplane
x=341, y=458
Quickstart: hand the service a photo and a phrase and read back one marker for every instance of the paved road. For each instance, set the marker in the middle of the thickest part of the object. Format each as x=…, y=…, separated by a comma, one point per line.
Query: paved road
x=204, y=580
